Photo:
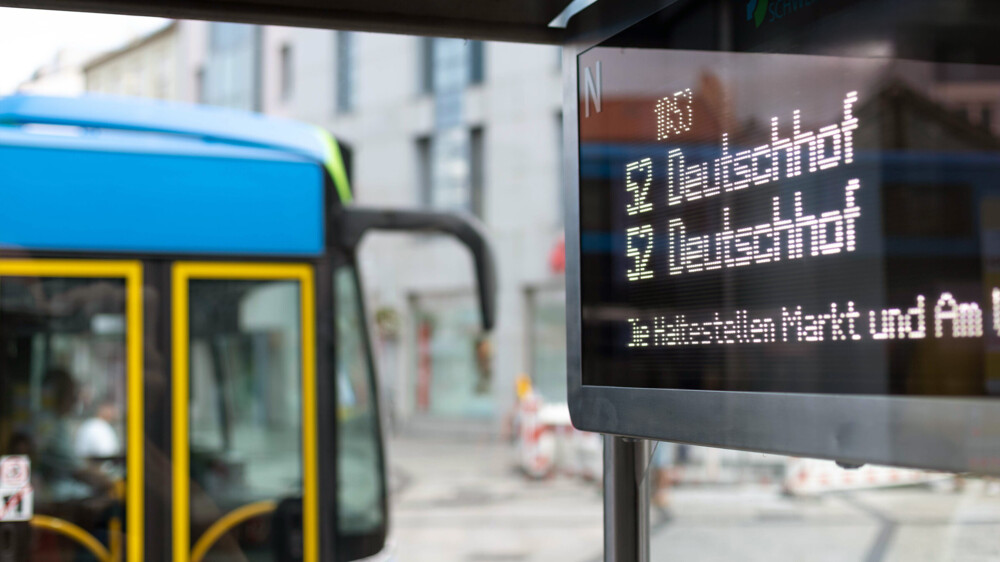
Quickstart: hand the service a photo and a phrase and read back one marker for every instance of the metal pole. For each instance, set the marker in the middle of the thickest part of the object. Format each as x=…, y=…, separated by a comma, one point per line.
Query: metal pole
x=626, y=499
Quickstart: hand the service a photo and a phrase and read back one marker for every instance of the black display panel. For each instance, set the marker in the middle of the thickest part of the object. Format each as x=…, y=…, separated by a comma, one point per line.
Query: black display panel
x=777, y=220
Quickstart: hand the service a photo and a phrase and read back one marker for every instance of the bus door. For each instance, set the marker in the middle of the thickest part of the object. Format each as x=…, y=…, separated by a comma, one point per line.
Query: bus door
x=244, y=418
x=71, y=396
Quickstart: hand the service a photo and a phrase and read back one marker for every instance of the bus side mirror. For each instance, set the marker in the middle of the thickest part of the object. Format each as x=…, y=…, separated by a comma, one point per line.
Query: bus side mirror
x=354, y=222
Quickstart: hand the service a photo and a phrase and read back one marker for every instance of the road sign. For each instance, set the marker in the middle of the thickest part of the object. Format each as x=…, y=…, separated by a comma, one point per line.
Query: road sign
x=776, y=249
x=16, y=493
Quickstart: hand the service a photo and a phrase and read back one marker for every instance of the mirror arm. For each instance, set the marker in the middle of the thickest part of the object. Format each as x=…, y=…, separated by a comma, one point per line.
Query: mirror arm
x=353, y=223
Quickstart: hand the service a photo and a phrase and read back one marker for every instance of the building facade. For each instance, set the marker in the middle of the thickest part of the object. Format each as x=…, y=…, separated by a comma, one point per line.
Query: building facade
x=61, y=76
x=435, y=123
x=146, y=67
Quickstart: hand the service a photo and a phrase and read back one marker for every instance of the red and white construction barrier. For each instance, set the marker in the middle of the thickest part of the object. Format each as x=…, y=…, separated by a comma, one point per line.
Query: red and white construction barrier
x=548, y=443
x=811, y=476
x=536, y=441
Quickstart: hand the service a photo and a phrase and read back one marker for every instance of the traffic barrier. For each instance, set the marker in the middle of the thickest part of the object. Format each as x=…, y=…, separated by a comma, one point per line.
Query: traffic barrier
x=548, y=443
x=536, y=443
x=811, y=476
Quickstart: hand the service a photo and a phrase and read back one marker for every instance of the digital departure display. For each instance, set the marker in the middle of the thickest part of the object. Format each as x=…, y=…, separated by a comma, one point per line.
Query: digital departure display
x=787, y=223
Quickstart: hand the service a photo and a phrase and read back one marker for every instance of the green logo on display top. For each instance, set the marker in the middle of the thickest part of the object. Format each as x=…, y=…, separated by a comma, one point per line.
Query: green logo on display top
x=756, y=10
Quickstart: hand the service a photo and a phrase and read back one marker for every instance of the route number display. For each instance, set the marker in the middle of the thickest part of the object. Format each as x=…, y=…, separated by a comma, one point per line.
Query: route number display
x=785, y=223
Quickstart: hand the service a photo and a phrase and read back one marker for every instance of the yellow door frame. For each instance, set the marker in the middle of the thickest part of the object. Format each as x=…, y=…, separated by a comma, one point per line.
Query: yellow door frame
x=131, y=272
x=183, y=272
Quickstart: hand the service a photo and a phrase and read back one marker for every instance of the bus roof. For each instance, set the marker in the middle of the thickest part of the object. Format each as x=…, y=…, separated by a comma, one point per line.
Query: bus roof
x=108, y=174
x=210, y=124
x=215, y=125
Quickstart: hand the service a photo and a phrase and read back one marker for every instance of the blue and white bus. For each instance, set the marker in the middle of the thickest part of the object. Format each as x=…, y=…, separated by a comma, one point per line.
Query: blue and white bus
x=184, y=353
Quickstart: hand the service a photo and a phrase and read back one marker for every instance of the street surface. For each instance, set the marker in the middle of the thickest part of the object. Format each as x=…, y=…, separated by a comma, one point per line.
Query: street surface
x=911, y=524
x=466, y=502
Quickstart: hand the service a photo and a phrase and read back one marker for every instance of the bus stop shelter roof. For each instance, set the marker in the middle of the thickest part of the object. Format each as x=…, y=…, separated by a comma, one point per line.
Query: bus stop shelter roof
x=500, y=20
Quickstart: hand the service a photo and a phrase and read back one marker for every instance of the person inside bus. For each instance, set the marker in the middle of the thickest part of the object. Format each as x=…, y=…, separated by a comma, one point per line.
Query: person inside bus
x=96, y=439
x=67, y=476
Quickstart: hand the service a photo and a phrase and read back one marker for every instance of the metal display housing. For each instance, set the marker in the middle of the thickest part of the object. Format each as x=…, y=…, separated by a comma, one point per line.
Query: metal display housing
x=952, y=434
x=512, y=20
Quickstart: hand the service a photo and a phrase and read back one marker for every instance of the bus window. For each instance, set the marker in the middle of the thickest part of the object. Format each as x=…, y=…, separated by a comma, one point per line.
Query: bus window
x=360, y=491
x=62, y=403
x=245, y=413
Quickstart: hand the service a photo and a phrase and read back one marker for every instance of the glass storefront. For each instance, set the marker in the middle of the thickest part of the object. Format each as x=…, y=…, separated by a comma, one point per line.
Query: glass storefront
x=452, y=374
x=545, y=339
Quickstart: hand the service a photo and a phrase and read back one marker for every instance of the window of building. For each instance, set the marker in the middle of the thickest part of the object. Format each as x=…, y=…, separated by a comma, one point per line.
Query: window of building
x=224, y=36
x=477, y=191
x=345, y=71
x=232, y=69
x=560, y=169
x=116, y=83
x=451, y=170
x=425, y=177
x=477, y=62
x=161, y=80
x=425, y=78
x=449, y=64
x=199, y=84
x=287, y=76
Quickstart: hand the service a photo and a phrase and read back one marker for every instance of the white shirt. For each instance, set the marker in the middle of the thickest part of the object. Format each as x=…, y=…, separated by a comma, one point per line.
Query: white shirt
x=96, y=438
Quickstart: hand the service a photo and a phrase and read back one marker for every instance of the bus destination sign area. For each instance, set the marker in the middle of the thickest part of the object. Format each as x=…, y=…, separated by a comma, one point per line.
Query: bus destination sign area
x=785, y=223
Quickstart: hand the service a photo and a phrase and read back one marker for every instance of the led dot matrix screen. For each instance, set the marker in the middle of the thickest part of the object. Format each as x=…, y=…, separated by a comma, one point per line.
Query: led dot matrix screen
x=788, y=220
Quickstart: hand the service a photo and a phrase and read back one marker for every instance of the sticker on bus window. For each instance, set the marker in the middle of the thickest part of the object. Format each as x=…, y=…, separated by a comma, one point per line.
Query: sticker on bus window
x=16, y=494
